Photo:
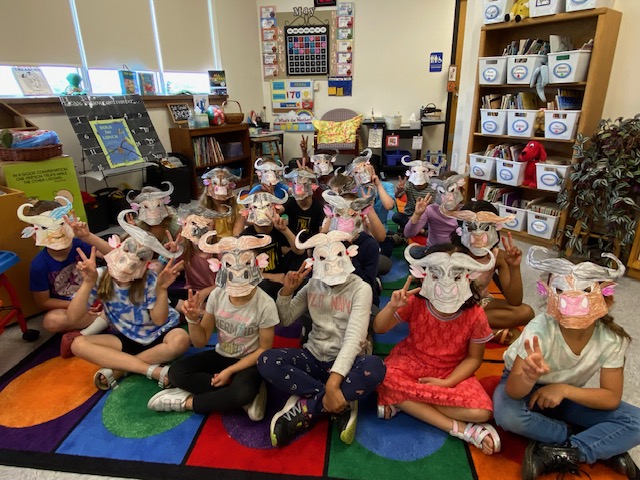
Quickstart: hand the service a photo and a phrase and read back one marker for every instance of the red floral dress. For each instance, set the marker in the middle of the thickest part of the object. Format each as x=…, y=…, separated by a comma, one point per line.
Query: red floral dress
x=434, y=347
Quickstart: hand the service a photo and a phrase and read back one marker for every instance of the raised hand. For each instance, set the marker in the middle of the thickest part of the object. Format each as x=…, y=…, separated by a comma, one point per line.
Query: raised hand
x=130, y=219
x=172, y=245
x=169, y=273
x=513, y=255
x=87, y=266
x=422, y=203
x=534, y=365
x=293, y=280
x=304, y=147
x=402, y=182
x=278, y=222
x=400, y=298
x=191, y=306
x=80, y=229
x=372, y=172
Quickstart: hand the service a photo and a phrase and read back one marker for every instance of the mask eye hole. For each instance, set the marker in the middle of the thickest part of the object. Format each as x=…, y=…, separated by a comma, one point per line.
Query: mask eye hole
x=434, y=277
x=557, y=291
x=589, y=289
x=340, y=254
x=322, y=258
x=458, y=277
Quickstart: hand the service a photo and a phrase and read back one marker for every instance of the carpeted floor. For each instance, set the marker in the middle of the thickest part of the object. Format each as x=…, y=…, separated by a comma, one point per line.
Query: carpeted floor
x=52, y=417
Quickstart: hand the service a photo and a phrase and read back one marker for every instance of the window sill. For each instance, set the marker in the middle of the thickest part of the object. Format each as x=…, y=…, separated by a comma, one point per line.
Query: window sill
x=43, y=105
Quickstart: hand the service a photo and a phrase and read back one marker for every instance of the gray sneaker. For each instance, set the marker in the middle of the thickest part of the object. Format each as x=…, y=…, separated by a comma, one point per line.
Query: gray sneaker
x=257, y=407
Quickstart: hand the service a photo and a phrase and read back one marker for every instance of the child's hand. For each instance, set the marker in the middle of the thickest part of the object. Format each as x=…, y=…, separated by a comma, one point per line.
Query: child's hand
x=436, y=382
x=191, y=306
x=129, y=218
x=172, y=245
x=278, y=222
x=80, y=229
x=87, y=266
x=293, y=280
x=221, y=379
x=334, y=401
x=169, y=274
x=513, y=255
x=372, y=172
x=422, y=203
x=400, y=298
x=402, y=181
x=534, y=365
x=548, y=396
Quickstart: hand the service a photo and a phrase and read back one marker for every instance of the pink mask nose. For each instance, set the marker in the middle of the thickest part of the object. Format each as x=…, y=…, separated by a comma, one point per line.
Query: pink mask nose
x=346, y=225
x=299, y=189
x=574, y=306
x=479, y=240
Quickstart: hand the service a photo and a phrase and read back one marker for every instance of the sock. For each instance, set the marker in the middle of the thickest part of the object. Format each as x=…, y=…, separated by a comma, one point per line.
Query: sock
x=98, y=325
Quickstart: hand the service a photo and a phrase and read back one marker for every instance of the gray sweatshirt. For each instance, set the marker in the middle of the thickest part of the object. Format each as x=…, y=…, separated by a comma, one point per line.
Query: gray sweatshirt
x=340, y=319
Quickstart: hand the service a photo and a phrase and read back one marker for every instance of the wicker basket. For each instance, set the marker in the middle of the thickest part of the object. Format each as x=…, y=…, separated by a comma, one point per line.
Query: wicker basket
x=30, y=154
x=232, y=118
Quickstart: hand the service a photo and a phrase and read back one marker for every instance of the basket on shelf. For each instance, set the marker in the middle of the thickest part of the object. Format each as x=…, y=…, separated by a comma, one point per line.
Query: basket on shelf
x=30, y=154
x=232, y=118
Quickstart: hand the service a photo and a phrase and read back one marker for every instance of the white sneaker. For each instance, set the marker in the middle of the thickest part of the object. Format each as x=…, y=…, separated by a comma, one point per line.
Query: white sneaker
x=169, y=400
x=257, y=407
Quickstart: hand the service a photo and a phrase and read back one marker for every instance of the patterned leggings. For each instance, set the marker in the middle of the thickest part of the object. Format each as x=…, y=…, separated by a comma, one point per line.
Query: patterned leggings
x=298, y=372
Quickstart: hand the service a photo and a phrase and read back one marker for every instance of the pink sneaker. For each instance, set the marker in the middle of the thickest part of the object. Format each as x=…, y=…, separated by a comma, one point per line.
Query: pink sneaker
x=65, y=343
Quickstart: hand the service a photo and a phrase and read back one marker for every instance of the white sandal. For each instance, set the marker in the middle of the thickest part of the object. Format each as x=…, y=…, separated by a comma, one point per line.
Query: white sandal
x=162, y=377
x=474, y=433
x=107, y=375
x=387, y=412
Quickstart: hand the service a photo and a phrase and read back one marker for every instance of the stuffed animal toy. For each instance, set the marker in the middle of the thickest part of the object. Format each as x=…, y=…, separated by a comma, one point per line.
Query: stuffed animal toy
x=532, y=153
x=519, y=11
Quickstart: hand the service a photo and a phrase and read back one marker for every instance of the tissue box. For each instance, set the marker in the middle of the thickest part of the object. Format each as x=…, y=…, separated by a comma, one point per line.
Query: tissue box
x=415, y=124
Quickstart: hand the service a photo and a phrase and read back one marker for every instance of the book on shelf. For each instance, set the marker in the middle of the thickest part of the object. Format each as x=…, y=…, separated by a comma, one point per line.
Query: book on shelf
x=147, y=83
x=206, y=151
x=31, y=81
x=505, y=151
x=546, y=208
x=128, y=84
x=568, y=99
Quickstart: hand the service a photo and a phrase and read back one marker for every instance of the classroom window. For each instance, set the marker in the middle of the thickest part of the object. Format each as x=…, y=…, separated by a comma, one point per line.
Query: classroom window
x=8, y=85
x=104, y=81
x=57, y=77
x=192, y=82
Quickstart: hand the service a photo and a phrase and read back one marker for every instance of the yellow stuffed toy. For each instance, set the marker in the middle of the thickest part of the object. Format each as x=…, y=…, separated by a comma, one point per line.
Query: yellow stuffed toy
x=519, y=11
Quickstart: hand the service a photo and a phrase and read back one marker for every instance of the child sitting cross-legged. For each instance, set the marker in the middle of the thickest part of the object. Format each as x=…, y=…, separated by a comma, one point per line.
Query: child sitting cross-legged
x=244, y=316
x=430, y=374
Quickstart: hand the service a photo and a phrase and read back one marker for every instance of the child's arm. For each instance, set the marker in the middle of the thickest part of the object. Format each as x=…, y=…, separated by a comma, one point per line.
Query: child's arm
x=281, y=226
x=508, y=266
x=387, y=201
x=79, y=305
x=400, y=186
x=377, y=230
x=419, y=218
x=464, y=370
x=200, y=326
x=239, y=225
x=81, y=231
x=45, y=302
x=266, y=342
x=160, y=311
x=289, y=309
x=385, y=320
x=526, y=372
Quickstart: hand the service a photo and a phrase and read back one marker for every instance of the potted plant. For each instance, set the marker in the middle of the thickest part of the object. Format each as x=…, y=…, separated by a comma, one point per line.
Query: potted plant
x=605, y=188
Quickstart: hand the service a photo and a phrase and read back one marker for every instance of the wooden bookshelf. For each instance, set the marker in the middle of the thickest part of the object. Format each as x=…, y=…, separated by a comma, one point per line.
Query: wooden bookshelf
x=601, y=25
x=182, y=141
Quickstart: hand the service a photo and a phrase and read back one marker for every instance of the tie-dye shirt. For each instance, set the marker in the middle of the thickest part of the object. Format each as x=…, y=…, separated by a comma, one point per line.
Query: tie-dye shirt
x=134, y=320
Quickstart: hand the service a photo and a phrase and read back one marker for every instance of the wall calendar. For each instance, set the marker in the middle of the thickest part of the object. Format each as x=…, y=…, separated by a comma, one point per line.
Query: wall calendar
x=307, y=50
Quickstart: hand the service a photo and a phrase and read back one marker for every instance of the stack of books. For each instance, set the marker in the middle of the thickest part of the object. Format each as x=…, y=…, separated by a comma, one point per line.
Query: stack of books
x=206, y=151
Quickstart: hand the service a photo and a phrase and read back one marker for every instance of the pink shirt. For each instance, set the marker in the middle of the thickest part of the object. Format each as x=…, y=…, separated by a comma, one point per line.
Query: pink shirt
x=439, y=226
x=198, y=275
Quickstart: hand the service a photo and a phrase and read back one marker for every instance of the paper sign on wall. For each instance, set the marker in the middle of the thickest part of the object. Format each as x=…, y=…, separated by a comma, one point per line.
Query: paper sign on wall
x=435, y=62
x=289, y=95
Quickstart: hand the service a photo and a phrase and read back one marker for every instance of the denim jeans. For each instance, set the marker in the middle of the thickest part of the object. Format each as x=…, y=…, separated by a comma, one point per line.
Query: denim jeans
x=602, y=433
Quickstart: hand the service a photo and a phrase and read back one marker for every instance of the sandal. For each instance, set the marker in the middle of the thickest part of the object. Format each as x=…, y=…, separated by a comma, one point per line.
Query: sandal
x=162, y=377
x=506, y=336
x=105, y=374
x=474, y=433
x=387, y=412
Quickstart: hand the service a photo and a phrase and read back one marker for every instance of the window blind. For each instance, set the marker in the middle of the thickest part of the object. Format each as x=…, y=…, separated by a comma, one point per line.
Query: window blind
x=38, y=33
x=184, y=33
x=117, y=32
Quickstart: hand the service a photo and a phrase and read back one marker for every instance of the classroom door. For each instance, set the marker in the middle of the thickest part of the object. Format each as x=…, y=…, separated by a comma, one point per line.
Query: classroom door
x=452, y=104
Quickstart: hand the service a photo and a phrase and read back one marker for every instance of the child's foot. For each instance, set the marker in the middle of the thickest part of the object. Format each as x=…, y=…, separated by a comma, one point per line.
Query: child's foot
x=257, y=407
x=387, y=411
x=505, y=336
x=346, y=422
x=65, y=343
x=481, y=435
x=170, y=400
x=159, y=373
x=293, y=419
x=106, y=378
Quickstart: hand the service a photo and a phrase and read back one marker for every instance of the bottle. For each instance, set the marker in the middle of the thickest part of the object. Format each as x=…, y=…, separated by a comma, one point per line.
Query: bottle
x=191, y=121
x=263, y=118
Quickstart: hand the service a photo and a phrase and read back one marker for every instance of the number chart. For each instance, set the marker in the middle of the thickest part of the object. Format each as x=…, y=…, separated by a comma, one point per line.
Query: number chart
x=307, y=50
x=292, y=95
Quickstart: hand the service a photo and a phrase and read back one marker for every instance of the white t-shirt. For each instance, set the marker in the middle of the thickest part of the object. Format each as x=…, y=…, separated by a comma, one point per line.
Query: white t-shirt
x=605, y=349
x=238, y=326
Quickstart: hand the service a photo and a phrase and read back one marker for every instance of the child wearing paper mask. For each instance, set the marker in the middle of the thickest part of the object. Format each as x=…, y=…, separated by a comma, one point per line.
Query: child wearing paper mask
x=543, y=394
x=53, y=275
x=218, y=196
x=136, y=305
x=303, y=210
x=330, y=374
x=154, y=214
x=430, y=374
x=225, y=378
x=480, y=230
x=415, y=186
x=269, y=172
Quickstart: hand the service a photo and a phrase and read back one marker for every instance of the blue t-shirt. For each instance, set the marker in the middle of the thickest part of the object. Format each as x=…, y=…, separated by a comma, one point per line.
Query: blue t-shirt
x=61, y=279
x=382, y=212
x=279, y=189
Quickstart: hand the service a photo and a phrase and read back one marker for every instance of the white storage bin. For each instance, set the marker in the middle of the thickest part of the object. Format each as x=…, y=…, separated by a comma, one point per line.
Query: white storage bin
x=509, y=173
x=567, y=67
x=495, y=10
x=551, y=177
x=541, y=225
x=575, y=5
x=540, y=8
x=493, y=122
x=560, y=124
x=483, y=168
x=493, y=70
x=520, y=122
x=519, y=223
x=520, y=68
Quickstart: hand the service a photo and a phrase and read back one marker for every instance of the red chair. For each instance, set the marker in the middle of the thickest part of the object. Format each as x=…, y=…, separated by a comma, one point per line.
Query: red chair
x=7, y=260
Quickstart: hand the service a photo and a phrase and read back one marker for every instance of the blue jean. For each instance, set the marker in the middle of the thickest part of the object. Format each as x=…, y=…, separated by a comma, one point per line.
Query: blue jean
x=298, y=372
x=602, y=433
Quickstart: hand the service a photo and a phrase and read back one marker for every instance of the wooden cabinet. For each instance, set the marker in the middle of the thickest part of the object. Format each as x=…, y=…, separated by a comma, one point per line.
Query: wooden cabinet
x=234, y=152
x=601, y=25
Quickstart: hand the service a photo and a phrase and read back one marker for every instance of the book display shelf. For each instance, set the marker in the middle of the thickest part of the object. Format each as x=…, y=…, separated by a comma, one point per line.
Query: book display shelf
x=601, y=25
x=222, y=146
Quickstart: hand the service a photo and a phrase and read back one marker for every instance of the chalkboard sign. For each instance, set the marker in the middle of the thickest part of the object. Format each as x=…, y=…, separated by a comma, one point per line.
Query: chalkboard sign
x=179, y=112
x=143, y=143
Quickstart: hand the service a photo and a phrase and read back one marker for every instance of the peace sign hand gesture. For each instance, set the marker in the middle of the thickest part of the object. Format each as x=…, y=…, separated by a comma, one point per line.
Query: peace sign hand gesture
x=400, y=298
x=80, y=229
x=169, y=273
x=172, y=245
x=87, y=266
x=422, y=204
x=402, y=181
x=293, y=280
x=534, y=365
x=191, y=306
x=513, y=255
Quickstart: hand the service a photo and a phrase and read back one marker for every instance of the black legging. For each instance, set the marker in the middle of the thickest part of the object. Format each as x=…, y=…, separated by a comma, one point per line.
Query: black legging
x=194, y=374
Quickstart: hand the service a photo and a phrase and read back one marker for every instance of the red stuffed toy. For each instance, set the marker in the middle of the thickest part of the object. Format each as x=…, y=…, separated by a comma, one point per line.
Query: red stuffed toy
x=532, y=153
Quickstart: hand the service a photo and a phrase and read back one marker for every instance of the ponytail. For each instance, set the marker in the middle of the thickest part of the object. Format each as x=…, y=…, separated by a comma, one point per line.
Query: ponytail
x=608, y=322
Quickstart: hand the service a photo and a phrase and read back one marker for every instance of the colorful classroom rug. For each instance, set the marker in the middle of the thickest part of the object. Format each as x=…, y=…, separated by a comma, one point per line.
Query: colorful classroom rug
x=52, y=417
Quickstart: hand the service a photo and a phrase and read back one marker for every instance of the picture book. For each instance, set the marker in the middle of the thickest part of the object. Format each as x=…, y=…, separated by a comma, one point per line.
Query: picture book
x=31, y=81
x=147, y=83
x=128, y=84
x=218, y=82
x=116, y=141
